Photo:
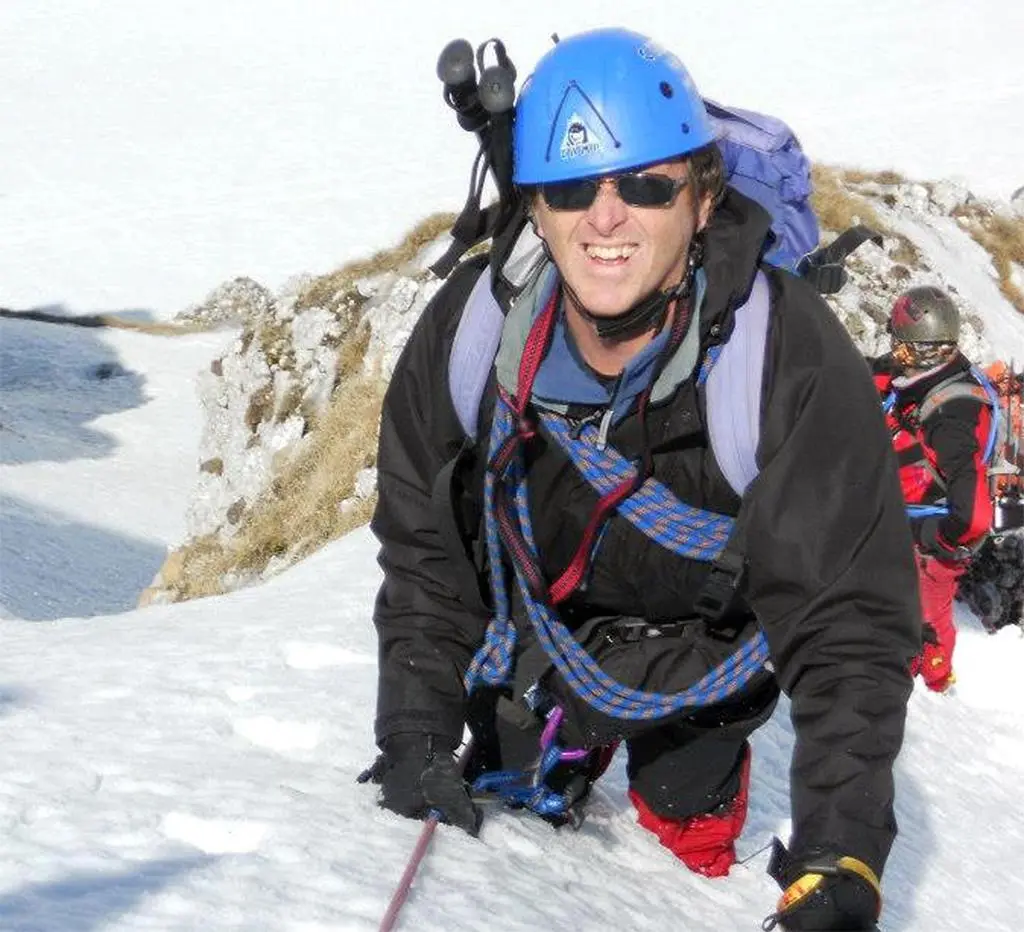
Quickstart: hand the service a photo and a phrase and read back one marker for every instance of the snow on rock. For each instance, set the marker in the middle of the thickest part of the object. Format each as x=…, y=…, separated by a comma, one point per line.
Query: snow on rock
x=947, y=196
x=394, y=304
x=240, y=300
x=366, y=482
x=261, y=396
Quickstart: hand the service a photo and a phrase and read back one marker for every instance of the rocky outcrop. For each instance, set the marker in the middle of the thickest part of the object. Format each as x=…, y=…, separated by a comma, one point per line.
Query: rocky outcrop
x=266, y=397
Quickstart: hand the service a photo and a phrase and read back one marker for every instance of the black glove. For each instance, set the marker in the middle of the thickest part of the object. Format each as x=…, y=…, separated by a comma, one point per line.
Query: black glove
x=418, y=778
x=933, y=544
x=823, y=893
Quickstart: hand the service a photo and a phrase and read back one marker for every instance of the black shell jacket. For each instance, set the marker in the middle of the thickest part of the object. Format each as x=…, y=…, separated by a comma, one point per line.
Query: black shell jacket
x=830, y=572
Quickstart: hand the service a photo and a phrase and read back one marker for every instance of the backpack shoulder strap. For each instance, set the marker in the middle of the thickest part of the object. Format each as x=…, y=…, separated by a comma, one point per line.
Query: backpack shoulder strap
x=733, y=390
x=946, y=392
x=473, y=351
x=980, y=389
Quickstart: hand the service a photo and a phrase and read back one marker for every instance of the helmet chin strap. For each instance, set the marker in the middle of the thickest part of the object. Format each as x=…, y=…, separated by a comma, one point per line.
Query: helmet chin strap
x=649, y=313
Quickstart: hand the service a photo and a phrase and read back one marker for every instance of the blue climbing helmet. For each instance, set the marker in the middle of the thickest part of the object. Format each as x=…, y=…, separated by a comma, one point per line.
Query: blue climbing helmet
x=605, y=101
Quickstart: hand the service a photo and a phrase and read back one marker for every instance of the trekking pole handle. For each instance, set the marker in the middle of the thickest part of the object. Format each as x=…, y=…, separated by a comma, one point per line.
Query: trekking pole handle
x=497, y=89
x=457, y=71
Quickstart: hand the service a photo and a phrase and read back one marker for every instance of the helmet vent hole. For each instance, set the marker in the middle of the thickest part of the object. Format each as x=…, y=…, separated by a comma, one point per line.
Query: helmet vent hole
x=666, y=89
x=685, y=127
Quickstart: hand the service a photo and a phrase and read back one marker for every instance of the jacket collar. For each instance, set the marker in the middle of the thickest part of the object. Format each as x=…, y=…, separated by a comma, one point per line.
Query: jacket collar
x=734, y=242
x=564, y=379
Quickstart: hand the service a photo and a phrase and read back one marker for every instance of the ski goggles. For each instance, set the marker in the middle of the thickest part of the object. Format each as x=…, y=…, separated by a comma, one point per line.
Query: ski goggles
x=912, y=355
x=637, y=189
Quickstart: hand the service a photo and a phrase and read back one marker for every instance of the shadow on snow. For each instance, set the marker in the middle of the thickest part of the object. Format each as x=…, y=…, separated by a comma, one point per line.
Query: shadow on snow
x=54, y=381
x=84, y=902
x=55, y=567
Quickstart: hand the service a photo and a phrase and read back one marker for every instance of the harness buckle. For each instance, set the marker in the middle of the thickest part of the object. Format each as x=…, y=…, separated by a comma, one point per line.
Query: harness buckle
x=638, y=629
x=719, y=589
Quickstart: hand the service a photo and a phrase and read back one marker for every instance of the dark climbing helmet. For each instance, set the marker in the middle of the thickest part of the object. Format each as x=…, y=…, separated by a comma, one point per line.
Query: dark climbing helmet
x=925, y=315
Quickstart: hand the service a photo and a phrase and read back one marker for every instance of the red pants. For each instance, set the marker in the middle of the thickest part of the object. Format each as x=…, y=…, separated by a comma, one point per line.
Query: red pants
x=937, y=581
x=704, y=843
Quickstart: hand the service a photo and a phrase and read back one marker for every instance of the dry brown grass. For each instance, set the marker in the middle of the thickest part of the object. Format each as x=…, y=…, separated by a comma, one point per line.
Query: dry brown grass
x=836, y=207
x=1003, y=239
x=905, y=252
x=862, y=176
x=839, y=208
x=336, y=287
x=300, y=511
x=275, y=343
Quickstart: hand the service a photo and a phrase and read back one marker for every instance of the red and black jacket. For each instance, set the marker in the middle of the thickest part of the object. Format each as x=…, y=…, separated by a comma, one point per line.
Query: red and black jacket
x=940, y=432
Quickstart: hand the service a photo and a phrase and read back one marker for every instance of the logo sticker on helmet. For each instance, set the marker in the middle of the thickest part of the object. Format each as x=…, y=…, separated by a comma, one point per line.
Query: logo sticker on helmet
x=650, y=50
x=905, y=313
x=578, y=139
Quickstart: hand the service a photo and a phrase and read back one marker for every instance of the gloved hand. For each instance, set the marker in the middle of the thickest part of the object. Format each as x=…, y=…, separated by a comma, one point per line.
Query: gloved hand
x=931, y=543
x=823, y=893
x=418, y=777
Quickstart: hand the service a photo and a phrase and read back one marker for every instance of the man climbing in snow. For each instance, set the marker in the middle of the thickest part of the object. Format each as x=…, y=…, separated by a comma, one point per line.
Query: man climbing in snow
x=586, y=570
x=940, y=419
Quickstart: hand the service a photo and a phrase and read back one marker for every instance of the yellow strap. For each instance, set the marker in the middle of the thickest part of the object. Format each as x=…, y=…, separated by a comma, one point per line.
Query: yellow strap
x=865, y=873
x=806, y=884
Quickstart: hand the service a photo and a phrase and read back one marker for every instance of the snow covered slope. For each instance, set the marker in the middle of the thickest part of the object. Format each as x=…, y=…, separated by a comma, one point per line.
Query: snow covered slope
x=192, y=766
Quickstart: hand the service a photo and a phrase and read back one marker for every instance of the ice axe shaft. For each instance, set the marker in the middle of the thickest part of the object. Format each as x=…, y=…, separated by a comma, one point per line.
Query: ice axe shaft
x=401, y=893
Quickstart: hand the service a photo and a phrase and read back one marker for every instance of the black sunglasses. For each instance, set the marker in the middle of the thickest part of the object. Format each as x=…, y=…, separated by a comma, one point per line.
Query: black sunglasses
x=637, y=189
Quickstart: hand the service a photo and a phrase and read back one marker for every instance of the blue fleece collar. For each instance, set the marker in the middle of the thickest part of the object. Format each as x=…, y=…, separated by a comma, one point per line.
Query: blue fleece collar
x=564, y=378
